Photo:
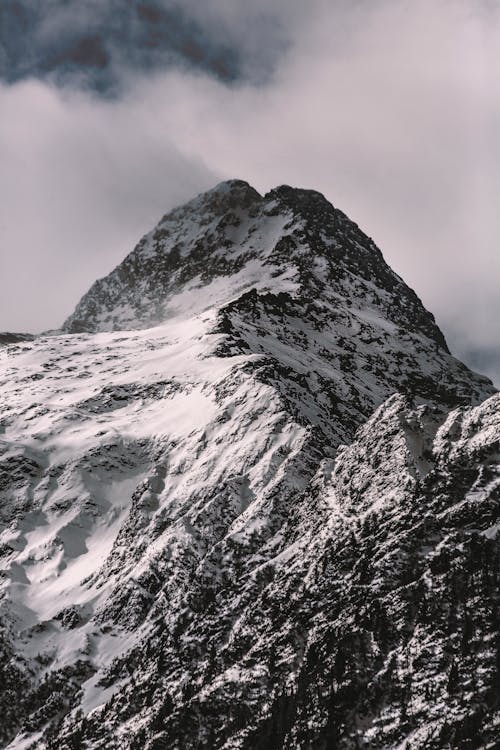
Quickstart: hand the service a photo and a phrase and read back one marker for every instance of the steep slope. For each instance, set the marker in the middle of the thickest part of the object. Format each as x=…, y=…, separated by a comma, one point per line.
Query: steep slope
x=185, y=551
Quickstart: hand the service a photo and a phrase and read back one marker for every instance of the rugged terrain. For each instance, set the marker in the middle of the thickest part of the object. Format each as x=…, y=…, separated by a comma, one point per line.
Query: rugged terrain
x=248, y=500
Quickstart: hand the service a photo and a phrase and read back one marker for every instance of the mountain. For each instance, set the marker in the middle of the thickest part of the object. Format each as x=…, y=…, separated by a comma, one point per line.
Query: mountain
x=248, y=500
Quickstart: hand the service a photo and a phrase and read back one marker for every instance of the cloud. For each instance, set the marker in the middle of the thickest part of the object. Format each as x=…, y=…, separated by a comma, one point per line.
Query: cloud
x=82, y=179
x=392, y=110
x=93, y=44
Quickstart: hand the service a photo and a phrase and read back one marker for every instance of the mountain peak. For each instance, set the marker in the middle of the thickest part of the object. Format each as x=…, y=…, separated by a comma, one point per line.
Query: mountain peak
x=298, y=197
x=230, y=238
x=224, y=197
x=232, y=185
x=236, y=189
x=230, y=251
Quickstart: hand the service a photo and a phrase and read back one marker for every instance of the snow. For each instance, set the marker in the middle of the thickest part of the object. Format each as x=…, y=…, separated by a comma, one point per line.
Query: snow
x=25, y=741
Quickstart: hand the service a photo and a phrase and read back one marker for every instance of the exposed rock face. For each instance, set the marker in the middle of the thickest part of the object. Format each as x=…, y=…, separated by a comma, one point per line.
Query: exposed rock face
x=13, y=338
x=190, y=558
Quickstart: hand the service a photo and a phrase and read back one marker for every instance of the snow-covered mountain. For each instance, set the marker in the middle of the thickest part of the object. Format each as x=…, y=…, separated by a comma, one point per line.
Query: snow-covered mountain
x=192, y=556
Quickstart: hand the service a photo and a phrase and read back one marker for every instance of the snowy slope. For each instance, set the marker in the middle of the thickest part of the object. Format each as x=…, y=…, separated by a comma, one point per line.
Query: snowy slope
x=182, y=541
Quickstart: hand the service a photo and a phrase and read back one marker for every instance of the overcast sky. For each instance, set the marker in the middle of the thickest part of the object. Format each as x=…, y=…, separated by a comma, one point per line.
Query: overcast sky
x=390, y=108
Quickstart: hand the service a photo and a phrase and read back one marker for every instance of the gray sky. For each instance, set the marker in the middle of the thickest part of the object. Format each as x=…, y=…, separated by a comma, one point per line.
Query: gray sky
x=392, y=109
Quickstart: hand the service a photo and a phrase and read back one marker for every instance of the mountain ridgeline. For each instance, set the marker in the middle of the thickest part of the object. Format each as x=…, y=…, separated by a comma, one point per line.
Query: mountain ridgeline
x=231, y=231
x=249, y=500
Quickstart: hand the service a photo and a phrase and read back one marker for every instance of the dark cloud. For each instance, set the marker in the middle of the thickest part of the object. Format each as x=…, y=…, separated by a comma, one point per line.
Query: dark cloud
x=95, y=43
